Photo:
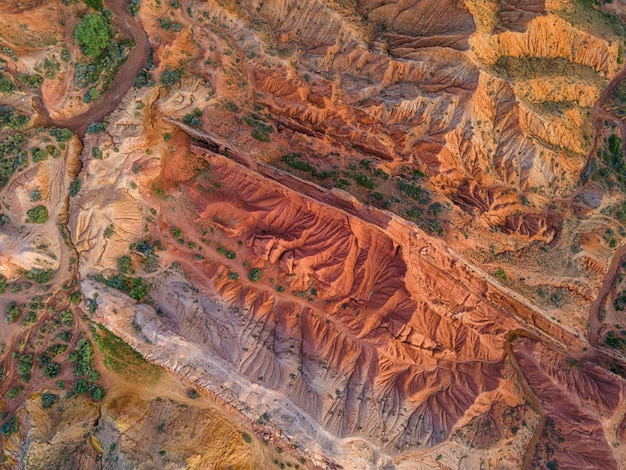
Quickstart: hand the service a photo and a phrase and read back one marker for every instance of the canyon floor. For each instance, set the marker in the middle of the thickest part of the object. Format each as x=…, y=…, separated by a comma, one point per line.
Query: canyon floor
x=329, y=234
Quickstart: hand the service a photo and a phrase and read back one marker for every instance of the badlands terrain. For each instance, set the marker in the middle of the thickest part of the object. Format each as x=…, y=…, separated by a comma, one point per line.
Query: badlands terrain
x=329, y=234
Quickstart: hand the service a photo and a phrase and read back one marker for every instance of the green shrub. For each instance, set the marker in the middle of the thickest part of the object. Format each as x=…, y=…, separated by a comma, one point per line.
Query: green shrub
x=65, y=336
x=74, y=187
x=169, y=25
x=14, y=311
x=98, y=393
x=15, y=391
x=96, y=128
x=52, y=370
x=33, y=81
x=125, y=264
x=37, y=215
x=11, y=426
x=95, y=4
x=255, y=274
x=133, y=286
x=61, y=135
x=6, y=84
x=261, y=131
x=133, y=7
x=92, y=34
x=169, y=77
x=48, y=399
x=40, y=276
x=193, y=119
x=38, y=154
x=500, y=274
x=3, y=284
x=81, y=386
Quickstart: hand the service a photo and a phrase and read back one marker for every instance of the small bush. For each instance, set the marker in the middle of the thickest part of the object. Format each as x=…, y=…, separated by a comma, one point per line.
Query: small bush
x=52, y=370
x=74, y=187
x=96, y=128
x=98, y=393
x=125, y=264
x=48, y=399
x=169, y=77
x=61, y=135
x=37, y=215
x=15, y=391
x=95, y=4
x=40, y=276
x=14, y=311
x=255, y=274
x=11, y=426
x=81, y=386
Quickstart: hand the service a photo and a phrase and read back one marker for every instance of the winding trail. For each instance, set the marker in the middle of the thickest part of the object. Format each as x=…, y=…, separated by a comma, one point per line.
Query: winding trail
x=123, y=80
x=600, y=113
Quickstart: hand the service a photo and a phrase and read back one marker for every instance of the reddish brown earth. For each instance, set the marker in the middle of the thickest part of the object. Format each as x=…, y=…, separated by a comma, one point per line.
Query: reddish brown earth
x=360, y=234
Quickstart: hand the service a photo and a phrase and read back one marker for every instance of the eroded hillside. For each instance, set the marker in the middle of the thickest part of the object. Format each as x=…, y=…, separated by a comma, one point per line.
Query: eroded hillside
x=326, y=234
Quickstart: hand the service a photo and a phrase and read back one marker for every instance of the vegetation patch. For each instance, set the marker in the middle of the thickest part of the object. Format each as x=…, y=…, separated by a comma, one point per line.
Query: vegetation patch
x=12, y=119
x=135, y=287
x=37, y=215
x=120, y=358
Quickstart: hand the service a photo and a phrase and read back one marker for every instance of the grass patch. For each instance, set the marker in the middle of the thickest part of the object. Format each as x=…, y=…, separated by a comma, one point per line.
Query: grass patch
x=120, y=358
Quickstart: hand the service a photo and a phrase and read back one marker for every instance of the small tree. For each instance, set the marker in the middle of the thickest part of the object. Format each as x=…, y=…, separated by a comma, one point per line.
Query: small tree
x=92, y=34
x=37, y=215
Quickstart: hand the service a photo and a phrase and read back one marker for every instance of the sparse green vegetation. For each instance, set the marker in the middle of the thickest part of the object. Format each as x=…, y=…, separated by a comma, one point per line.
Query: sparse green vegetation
x=48, y=399
x=613, y=340
x=14, y=311
x=6, y=84
x=74, y=188
x=95, y=4
x=261, y=131
x=10, y=426
x=170, y=25
x=61, y=135
x=122, y=359
x=96, y=128
x=524, y=68
x=135, y=287
x=12, y=119
x=500, y=274
x=40, y=276
x=37, y=215
x=193, y=119
x=170, y=77
x=125, y=264
x=255, y=274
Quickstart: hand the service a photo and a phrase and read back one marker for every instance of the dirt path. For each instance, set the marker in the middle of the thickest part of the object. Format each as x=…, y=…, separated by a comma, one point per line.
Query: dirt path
x=596, y=306
x=600, y=114
x=122, y=82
